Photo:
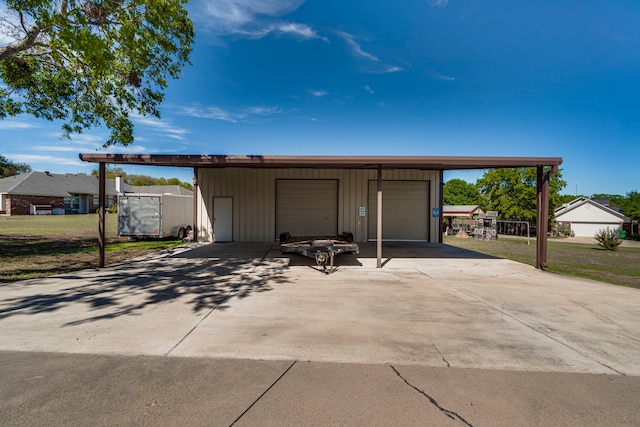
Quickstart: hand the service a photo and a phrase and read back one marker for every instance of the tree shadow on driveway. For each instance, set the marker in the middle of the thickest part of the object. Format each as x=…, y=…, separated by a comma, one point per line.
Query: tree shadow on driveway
x=205, y=278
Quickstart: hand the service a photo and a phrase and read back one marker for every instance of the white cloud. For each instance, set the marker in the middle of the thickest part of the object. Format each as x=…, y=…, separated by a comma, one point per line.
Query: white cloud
x=318, y=93
x=239, y=115
x=355, y=48
x=55, y=148
x=211, y=112
x=378, y=66
x=263, y=111
x=300, y=30
x=163, y=126
x=9, y=124
x=251, y=18
x=439, y=76
x=40, y=158
x=368, y=89
x=384, y=69
x=392, y=69
x=438, y=3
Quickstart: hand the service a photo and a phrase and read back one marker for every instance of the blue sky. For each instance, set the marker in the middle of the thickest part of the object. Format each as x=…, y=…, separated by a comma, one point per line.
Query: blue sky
x=410, y=77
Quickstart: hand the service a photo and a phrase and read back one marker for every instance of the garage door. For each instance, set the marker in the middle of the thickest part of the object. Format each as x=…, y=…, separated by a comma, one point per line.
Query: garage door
x=589, y=229
x=307, y=207
x=405, y=210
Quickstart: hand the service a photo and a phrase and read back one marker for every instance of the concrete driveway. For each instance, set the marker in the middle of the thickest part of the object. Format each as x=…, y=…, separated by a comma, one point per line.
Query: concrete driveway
x=439, y=335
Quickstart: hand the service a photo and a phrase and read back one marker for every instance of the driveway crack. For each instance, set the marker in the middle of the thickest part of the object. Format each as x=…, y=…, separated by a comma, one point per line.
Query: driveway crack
x=443, y=359
x=451, y=414
x=263, y=394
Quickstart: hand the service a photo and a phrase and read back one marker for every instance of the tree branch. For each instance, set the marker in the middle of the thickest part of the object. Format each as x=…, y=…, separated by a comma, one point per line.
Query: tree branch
x=20, y=45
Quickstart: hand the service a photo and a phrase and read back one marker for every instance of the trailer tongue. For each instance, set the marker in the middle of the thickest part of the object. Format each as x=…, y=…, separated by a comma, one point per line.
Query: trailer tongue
x=322, y=249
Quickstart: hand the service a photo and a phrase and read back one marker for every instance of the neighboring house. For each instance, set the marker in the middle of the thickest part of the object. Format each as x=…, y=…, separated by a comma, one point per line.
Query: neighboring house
x=464, y=212
x=585, y=217
x=46, y=192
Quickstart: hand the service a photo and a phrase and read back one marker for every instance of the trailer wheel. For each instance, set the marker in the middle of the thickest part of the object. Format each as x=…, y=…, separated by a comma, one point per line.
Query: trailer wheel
x=182, y=233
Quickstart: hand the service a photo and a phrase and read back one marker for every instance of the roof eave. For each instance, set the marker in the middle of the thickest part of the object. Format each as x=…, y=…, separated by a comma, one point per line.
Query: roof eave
x=323, y=162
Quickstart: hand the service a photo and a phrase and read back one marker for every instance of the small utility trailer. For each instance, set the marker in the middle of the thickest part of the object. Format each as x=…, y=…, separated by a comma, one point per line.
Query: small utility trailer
x=154, y=215
x=322, y=249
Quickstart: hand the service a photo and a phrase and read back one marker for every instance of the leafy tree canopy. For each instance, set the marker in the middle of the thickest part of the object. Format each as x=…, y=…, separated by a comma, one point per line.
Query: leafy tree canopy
x=91, y=62
x=140, y=180
x=460, y=192
x=9, y=168
x=631, y=205
x=513, y=192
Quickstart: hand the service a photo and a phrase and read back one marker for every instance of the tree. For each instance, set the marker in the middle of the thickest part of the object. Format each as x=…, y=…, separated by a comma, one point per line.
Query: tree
x=9, y=168
x=513, y=192
x=110, y=172
x=460, y=192
x=140, y=180
x=91, y=62
x=631, y=205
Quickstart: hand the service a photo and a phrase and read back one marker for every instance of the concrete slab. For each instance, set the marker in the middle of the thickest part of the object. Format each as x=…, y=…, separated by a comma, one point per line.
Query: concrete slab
x=430, y=305
x=45, y=389
x=56, y=389
x=438, y=336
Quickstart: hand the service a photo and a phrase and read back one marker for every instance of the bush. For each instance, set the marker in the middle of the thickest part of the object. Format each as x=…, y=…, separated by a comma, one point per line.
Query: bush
x=608, y=239
x=563, y=231
x=113, y=208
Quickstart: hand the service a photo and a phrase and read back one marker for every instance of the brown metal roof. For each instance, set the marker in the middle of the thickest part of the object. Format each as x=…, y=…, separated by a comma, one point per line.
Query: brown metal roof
x=323, y=162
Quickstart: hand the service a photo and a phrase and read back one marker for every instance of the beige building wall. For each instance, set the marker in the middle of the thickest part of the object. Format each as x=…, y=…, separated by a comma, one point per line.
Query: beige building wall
x=254, y=201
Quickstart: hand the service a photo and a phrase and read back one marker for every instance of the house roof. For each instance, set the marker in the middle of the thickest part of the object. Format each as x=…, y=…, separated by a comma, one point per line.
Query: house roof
x=466, y=210
x=64, y=185
x=322, y=162
x=53, y=185
x=581, y=201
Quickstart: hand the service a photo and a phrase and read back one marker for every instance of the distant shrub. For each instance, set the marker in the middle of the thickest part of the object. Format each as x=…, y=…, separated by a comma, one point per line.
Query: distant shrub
x=563, y=231
x=608, y=238
x=113, y=208
x=633, y=236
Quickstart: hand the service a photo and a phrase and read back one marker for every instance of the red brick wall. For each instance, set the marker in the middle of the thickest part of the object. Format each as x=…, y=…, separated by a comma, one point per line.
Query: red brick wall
x=19, y=205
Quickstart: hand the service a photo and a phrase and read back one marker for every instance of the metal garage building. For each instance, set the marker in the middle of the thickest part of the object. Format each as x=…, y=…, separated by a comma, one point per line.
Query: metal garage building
x=259, y=204
x=255, y=198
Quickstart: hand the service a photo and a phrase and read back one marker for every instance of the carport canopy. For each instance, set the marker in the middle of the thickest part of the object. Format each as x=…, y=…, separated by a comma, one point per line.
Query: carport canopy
x=545, y=167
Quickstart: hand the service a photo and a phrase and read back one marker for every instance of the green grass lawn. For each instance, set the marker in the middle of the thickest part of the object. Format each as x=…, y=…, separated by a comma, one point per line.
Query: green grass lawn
x=621, y=267
x=69, y=225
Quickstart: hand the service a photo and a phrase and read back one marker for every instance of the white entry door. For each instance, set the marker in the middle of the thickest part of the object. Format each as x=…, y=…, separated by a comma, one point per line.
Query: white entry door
x=223, y=219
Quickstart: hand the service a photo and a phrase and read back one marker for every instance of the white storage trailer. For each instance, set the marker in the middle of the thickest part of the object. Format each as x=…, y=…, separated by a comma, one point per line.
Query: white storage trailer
x=154, y=215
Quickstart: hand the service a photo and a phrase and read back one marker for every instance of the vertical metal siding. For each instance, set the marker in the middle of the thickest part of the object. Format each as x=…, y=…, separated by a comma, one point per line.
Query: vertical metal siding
x=254, y=197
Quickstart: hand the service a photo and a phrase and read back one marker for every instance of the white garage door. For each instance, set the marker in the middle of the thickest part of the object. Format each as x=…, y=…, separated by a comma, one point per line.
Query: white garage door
x=405, y=210
x=589, y=229
x=307, y=207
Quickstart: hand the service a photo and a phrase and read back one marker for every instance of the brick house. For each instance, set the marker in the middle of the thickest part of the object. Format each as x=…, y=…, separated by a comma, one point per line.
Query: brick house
x=44, y=192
